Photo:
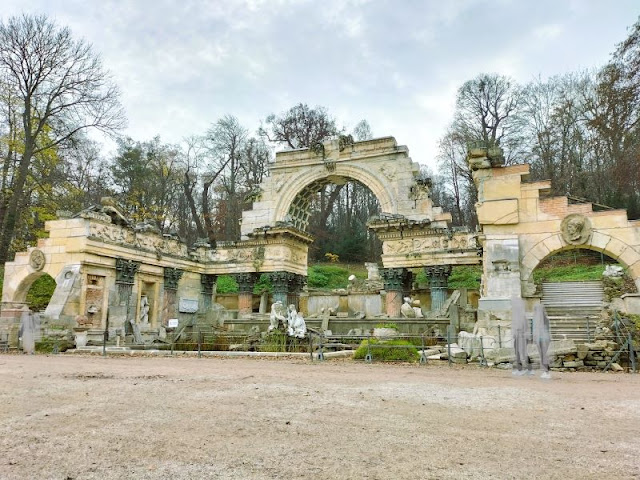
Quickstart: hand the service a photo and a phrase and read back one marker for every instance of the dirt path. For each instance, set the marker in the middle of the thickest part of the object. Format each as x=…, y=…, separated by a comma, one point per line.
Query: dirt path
x=84, y=417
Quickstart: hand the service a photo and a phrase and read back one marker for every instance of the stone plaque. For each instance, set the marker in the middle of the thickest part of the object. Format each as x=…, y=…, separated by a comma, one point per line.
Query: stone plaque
x=188, y=305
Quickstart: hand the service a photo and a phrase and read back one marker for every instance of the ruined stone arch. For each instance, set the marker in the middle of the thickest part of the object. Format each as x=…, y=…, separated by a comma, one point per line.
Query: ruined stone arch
x=294, y=203
x=380, y=164
x=20, y=293
x=20, y=275
x=600, y=242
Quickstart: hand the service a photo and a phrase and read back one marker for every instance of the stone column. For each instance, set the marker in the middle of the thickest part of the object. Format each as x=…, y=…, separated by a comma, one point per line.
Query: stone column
x=287, y=287
x=172, y=277
x=438, y=276
x=246, y=282
x=395, y=283
x=125, y=278
x=296, y=284
x=207, y=287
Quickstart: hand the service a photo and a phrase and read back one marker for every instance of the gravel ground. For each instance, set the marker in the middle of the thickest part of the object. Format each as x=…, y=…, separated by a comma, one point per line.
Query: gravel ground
x=88, y=417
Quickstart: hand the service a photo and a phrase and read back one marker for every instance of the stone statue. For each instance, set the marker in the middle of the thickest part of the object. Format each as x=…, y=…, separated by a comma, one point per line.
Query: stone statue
x=417, y=309
x=406, y=309
x=277, y=316
x=297, y=327
x=144, y=309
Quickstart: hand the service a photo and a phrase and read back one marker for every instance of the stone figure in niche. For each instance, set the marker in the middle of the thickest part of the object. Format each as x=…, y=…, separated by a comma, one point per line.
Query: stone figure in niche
x=277, y=316
x=575, y=229
x=144, y=309
x=406, y=310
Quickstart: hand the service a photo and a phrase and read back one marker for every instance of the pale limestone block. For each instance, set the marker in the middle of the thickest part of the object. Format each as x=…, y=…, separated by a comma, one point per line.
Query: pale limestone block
x=609, y=219
x=499, y=212
x=530, y=262
x=502, y=188
x=599, y=241
x=533, y=228
x=629, y=256
x=615, y=248
x=634, y=270
x=628, y=235
x=539, y=251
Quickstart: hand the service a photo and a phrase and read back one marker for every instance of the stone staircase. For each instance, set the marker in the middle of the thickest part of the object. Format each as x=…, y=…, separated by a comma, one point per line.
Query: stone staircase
x=574, y=309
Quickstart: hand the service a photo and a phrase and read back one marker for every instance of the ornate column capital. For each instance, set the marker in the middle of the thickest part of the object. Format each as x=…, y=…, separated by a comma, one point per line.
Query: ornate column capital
x=126, y=270
x=438, y=275
x=171, y=278
x=397, y=279
x=207, y=282
x=245, y=281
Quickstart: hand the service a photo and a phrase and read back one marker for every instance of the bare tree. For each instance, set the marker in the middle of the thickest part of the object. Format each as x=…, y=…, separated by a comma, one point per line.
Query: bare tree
x=362, y=131
x=486, y=112
x=61, y=88
x=299, y=127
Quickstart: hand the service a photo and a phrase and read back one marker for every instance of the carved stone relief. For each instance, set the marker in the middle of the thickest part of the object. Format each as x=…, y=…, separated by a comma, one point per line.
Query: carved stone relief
x=575, y=229
x=37, y=259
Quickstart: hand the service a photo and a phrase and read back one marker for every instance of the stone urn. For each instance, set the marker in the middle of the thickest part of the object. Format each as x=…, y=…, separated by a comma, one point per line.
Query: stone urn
x=384, y=332
x=80, y=336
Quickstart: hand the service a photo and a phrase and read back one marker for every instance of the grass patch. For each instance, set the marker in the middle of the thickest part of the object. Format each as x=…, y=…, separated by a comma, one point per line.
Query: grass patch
x=331, y=276
x=388, y=350
x=568, y=273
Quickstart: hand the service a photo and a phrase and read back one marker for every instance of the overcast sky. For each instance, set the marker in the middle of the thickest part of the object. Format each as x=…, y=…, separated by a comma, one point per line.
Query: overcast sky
x=181, y=65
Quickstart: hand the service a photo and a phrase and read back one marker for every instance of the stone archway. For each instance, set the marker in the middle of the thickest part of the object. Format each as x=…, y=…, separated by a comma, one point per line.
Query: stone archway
x=380, y=164
x=414, y=232
x=597, y=241
x=522, y=224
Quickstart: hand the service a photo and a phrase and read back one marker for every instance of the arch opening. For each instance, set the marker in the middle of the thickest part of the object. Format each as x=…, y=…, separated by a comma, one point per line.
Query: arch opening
x=36, y=291
x=576, y=264
x=335, y=211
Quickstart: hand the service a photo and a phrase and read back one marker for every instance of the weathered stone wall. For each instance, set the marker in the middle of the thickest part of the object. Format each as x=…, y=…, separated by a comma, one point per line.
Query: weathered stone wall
x=522, y=225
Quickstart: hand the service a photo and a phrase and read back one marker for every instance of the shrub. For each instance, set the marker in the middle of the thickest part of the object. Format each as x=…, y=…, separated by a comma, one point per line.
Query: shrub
x=388, y=351
x=226, y=284
x=48, y=345
x=40, y=293
x=464, y=276
x=331, y=276
x=263, y=285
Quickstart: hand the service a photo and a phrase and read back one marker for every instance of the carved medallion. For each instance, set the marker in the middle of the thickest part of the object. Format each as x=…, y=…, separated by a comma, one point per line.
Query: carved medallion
x=37, y=260
x=575, y=229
